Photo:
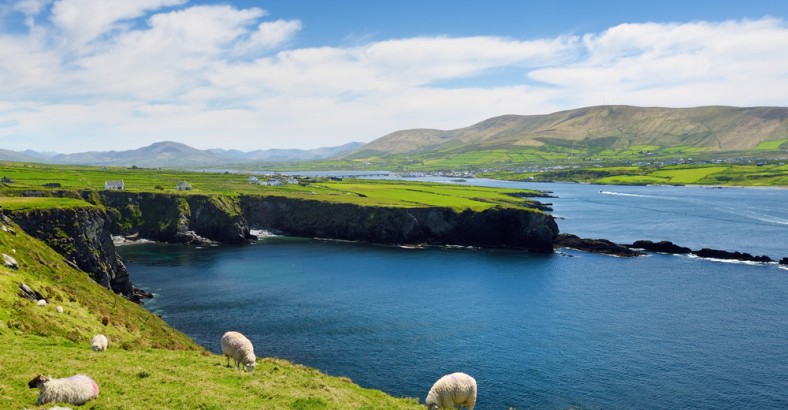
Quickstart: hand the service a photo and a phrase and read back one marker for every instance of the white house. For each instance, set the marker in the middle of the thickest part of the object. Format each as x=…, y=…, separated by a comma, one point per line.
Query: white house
x=114, y=185
x=183, y=186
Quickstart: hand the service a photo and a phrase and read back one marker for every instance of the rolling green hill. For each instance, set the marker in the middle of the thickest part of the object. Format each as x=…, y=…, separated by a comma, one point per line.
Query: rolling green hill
x=601, y=130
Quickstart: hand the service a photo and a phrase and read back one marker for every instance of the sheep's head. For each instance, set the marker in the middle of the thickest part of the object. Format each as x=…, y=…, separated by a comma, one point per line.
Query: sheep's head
x=37, y=381
x=251, y=366
x=95, y=348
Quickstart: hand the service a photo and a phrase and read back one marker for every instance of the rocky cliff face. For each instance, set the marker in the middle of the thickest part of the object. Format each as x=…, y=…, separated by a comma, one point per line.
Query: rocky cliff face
x=175, y=218
x=82, y=236
x=495, y=227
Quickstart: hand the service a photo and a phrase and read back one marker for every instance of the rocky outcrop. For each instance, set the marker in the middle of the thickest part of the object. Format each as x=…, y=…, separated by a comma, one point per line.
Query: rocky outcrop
x=494, y=227
x=176, y=218
x=660, y=247
x=82, y=236
x=602, y=246
x=738, y=256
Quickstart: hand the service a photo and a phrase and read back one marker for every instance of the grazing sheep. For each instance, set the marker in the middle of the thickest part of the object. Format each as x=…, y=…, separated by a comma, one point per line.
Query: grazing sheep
x=238, y=347
x=59, y=309
x=99, y=343
x=41, y=302
x=451, y=389
x=77, y=389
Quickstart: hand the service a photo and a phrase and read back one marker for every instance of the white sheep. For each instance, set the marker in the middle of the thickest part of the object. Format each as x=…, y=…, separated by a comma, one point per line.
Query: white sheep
x=59, y=309
x=41, y=302
x=99, y=343
x=451, y=389
x=77, y=389
x=238, y=347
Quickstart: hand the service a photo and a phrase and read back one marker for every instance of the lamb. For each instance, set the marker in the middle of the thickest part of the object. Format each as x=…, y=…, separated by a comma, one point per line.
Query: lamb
x=78, y=389
x=451, y=389
x=238, y=347
x=99, y=343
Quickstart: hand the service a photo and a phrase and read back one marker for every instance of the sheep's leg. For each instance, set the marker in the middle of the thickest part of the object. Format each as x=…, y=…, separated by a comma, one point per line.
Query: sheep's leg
x=470, y=403
x=237, y=367
x=228, y=361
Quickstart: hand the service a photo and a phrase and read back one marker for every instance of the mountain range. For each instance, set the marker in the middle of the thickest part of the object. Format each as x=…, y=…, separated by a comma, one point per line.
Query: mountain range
x=600, y=130
x=713, y=128
x=175, y=154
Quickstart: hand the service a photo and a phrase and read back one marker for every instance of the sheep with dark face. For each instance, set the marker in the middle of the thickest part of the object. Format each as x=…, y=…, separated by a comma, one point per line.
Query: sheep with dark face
x=239, y=348
x=451, y=389
x=78, y=389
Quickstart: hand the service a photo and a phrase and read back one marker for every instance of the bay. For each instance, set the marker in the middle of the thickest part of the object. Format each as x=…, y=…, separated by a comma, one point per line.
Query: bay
x=569, y=330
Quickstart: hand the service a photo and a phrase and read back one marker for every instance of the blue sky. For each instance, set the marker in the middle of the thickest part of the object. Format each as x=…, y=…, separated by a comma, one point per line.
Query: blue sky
x=80, y=75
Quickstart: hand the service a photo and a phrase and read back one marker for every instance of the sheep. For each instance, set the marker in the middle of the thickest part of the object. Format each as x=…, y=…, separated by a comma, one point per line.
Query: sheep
x=451, y=389
x=238, y=347
x=99, y=343
x=41, y=302
x=59, y=309
x=78, y=389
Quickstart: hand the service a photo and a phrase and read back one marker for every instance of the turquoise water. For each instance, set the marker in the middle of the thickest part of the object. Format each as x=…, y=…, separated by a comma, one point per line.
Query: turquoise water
x=569, y=330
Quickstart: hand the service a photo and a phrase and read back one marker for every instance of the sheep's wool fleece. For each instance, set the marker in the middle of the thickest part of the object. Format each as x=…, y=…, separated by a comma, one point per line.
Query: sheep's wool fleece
x=77, y=389
x=455, y=388
x=238, y=347
x=99, y=343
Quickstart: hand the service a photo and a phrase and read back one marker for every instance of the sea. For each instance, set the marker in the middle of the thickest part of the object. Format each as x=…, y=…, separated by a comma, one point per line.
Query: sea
x=570, y=330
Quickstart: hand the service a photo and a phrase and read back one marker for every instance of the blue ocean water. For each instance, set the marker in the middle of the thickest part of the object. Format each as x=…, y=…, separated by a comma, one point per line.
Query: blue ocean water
x=569, y=330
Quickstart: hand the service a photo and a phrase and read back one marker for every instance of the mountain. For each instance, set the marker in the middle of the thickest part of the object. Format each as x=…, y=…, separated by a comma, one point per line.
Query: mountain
x=165, y=153
x=290, y=155
x=175, y=154
x=596, y=129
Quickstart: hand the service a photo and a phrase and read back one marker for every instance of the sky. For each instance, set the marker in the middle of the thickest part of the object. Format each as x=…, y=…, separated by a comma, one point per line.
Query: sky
x=98, y=75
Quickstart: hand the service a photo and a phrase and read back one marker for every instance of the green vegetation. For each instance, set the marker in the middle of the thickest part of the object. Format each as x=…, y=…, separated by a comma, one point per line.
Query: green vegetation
x=169, y=379
x=149, y=365
x=33, y=203
x=362, y=192
x=728, y=175
x=772, y=145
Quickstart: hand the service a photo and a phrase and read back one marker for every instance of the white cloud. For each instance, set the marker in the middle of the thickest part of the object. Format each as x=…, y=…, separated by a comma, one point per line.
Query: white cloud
x=83, y=20
x=217, y=75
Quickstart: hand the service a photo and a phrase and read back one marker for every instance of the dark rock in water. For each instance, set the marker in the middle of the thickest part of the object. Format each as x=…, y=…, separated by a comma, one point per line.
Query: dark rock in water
x=602, y=246
x=139, y=295
x=784, y=261
x=739, y=256
x=662, y=247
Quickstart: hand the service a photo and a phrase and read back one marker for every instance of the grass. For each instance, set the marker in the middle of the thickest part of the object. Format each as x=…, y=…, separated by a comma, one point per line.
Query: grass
x=33, y=203
x=149, y=365
x=29, y=177
x=168, y=379
x=686, y=175
x=771, y=145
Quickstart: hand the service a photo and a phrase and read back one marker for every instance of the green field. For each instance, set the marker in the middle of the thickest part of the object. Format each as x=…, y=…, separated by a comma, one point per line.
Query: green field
x=728, y=175
x=32, y=203
x=772, y=145
x=357, y=191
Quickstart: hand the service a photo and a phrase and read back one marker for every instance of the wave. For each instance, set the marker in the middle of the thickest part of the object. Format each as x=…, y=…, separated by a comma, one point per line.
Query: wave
x=734, y=261
x=626, y=194
x=766, y=218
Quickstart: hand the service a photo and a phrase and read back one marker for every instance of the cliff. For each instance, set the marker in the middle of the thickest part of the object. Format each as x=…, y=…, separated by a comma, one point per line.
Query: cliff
x=227, y=219
x=176, y=218
x=82, y=236
x=494, y=227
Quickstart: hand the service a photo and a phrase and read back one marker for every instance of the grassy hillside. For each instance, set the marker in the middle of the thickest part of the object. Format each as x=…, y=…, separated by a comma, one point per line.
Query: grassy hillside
x=169, y=379
x=594, y=130
x=149, y=365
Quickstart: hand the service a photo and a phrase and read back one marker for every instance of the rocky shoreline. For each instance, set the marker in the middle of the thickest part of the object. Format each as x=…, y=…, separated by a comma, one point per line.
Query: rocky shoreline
x=637, y=248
